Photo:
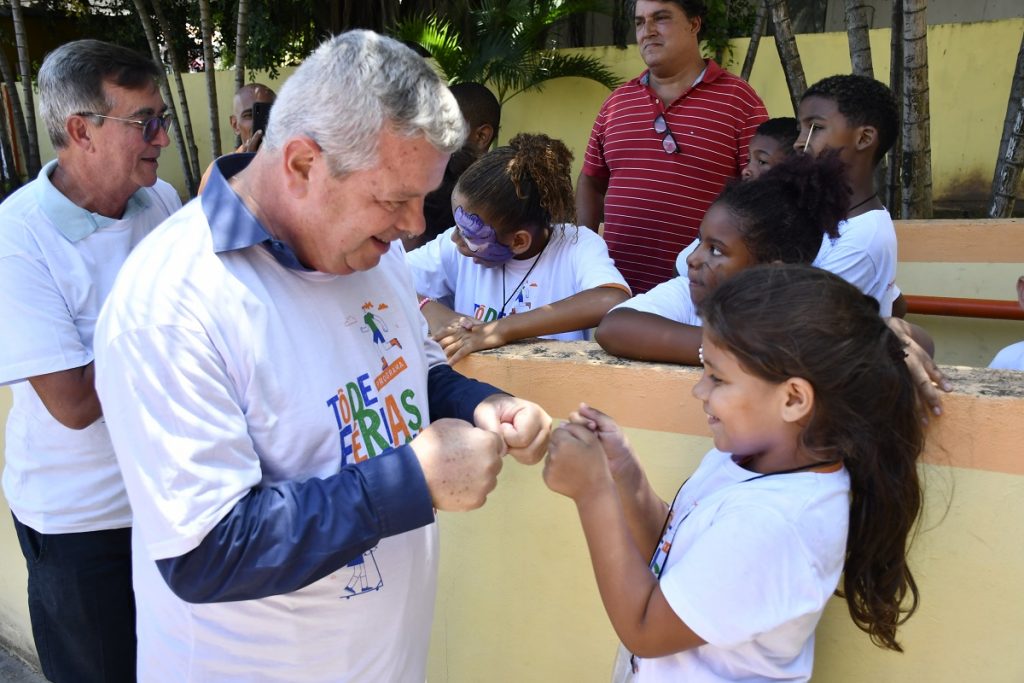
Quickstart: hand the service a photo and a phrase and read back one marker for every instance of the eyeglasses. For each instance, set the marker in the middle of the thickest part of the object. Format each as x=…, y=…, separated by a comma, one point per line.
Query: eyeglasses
x=150, y=127
x=668, y=143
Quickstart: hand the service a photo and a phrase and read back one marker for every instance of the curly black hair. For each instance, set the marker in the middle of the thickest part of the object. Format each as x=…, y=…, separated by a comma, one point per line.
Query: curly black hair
x=784, y=213
x=864, y=102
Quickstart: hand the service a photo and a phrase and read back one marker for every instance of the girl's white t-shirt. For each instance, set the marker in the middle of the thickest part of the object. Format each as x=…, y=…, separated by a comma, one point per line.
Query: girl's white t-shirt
x=574, y=260
x=750, y=566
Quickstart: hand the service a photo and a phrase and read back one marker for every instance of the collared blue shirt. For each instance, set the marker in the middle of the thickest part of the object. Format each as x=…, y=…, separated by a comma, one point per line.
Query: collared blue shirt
x=73, y=221
x=231, y=222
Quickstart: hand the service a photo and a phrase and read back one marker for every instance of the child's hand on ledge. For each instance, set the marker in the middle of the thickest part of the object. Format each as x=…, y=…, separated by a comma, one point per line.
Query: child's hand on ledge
x=465, y=336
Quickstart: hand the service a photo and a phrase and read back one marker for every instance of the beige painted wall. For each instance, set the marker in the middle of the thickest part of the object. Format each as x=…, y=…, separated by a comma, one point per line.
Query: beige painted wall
x=15, y=629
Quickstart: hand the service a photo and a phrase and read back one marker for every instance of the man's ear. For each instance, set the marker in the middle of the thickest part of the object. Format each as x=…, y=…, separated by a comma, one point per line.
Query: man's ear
x=298, y=157
x=78, y=131
x=866, y=137
x=797, y=399
x=1020, y=291
x=522, y=240
x=233, y=120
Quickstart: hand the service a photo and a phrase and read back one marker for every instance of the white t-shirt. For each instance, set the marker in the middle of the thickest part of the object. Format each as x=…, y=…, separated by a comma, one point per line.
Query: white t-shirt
x=750, y=566
x=1010, y=358
x=574, y=260
x=244, y=372
x=57, y=265
x=670, y=300
x=864, y=255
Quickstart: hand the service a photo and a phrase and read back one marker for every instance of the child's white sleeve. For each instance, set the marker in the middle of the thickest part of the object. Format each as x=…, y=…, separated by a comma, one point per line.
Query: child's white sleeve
x=433, y=272
x=670, y=300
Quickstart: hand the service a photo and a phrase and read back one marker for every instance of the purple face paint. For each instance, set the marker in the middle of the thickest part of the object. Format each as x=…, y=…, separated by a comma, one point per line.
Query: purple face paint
x=481, y=239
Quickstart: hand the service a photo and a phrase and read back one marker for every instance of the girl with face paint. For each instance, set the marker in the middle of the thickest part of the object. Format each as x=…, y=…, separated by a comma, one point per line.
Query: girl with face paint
x=514, y=266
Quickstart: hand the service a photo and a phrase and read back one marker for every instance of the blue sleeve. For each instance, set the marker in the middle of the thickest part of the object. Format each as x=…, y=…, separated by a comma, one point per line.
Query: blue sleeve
x=280, y=538
x=450, y=394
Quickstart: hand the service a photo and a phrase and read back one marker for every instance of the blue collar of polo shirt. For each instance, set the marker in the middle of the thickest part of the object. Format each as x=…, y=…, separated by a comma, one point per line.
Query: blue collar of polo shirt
x=73, y=221
x=231, y=223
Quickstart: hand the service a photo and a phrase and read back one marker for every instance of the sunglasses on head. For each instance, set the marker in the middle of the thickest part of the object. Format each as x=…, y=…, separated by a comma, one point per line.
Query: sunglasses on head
x=668, y=143
x=150, y=127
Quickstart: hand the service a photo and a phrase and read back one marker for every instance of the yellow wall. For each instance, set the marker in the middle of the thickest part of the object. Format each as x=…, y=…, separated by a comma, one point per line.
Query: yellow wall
x=970, y=71
x=971, y=67
x=15, y=629
x=518, y=602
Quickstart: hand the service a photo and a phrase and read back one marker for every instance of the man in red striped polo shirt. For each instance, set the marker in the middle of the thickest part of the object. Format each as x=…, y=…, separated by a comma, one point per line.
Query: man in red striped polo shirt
x=664, y=144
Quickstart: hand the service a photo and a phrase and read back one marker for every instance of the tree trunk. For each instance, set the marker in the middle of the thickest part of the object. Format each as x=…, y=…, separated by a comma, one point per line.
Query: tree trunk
x=8, y=165
x=1011, y=147
x=857, y=35
x=165, y=91
x=917, y=151
x=186, y=117
x=210, y=71
x=621, y=22
x=241, y=42
x=760, y=24
x=25, y=67
x=785, y=42
x=20, y=134
x=893, y=196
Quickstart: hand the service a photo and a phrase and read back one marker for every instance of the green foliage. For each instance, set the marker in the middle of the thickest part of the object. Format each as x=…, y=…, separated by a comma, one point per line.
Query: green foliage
x=509, y=45
x=727, y=19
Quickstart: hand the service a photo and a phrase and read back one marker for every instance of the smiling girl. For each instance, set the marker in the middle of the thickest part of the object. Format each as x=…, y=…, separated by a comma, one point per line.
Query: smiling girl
x=514, y=265
x=813, y=475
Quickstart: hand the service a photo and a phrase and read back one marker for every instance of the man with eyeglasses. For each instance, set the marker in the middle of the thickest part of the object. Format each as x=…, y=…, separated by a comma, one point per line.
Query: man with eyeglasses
x=276, y=404
x=664, y=144
x=63, y=238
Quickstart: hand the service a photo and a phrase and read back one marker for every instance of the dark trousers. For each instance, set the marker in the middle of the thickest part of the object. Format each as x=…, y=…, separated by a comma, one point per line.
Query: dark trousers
x=81, y=603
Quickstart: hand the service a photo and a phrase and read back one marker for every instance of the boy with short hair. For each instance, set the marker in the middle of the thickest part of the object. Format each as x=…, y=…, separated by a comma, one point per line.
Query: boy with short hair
x=856, y=116
x=771, y=145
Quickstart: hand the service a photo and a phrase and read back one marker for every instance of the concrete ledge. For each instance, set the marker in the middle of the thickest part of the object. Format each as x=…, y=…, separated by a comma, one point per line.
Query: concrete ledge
x=997, y=240
x=982, y=426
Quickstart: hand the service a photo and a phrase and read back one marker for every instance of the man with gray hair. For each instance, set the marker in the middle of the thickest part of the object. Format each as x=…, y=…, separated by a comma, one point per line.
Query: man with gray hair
x=276, y=404
x=63, y=238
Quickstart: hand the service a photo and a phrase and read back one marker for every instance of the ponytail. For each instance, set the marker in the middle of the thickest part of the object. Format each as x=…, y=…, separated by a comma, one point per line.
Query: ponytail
x=783, y=321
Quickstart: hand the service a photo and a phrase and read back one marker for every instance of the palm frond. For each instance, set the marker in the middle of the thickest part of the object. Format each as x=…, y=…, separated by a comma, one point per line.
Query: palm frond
x=438, y=37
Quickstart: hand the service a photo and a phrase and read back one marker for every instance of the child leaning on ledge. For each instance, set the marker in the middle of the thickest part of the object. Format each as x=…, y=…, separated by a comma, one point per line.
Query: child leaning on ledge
x=513, y=264
x=1012, y=357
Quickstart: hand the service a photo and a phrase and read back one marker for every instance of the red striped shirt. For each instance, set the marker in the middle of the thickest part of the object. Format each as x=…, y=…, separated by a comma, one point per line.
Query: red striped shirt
x=655, y=200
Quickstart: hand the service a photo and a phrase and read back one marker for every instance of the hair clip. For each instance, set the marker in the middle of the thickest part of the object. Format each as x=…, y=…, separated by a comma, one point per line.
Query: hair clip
x=700, y=354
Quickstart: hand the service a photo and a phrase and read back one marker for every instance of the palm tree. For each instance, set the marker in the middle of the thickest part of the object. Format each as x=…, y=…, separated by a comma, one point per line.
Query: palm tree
x=857, y=35
x=241, y=40
x=186, y=117
x=916, y=171
x=165, y=91
x=760, y=25
x=1011, y=146
x=25, y=67
x=20, y=132
x=508, y=48
x=785, y=43
x=206, y=26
